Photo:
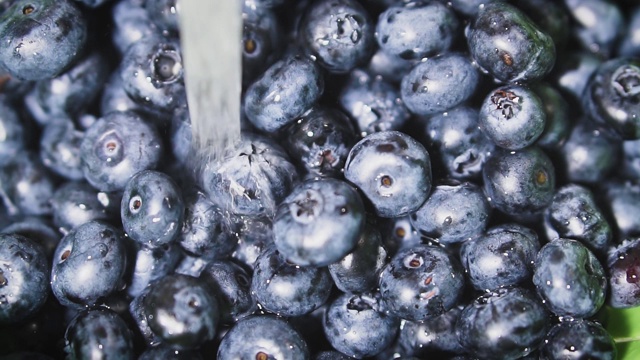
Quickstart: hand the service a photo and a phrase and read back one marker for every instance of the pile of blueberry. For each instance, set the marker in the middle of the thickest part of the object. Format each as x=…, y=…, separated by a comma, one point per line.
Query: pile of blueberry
x=415, y=179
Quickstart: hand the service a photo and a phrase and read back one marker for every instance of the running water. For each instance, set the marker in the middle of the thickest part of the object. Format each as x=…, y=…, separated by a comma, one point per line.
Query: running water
x=211, y=38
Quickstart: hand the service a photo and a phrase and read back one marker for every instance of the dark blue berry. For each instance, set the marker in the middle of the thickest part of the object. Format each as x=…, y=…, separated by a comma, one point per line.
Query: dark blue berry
x=431, y=337
x=598, y=24
x=60, y=149
x=232, y=286
x=99, y=333
x=576, y=340
x=623, y=268
x=26, y=185
x=75, y=203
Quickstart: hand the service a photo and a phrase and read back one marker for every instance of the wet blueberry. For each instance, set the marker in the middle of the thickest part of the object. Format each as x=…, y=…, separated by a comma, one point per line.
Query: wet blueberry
x=232, y=286
x=26, y=185
x=622, y=201
x=599, y=24
x=262, y=40
x=99, y=333
x=75, y=203
x=431, y=337
x=14, y=139
x=578, y=339
x=151, y=264
x=623, y=267
x=60, y=149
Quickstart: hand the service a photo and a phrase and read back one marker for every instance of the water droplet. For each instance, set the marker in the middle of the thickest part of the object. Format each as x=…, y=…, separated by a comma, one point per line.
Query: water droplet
x=356, y=36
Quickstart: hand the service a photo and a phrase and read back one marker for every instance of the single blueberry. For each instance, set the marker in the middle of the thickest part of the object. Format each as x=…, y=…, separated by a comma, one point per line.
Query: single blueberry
x=75, y=203
x=629, y=45
x=598, y=24
x=389, y=67
x=24, y=278
x=14, y=137
x=623, y=267
x=393, y=171
x=150, y=264
x=319, y=222
x=398, y=233
x=570, y=279
x=431, y=337
x=439, y=83
x=630, y=167
x=164, y=14
x=131, y=22
x=509, y=45
x=578, y=339
x=254, y=235
x=232, y=286
x=262, y=40
x=26, y=185
x=421, y=282
x=416, y=29
x=37, y=228
x=622, y=202
x=558, y=119
x=60, y=149
x=152, y=208
x=99, y=333
x=573, y=71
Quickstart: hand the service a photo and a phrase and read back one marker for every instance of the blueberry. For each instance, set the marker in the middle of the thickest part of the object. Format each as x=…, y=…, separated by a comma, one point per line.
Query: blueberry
x=552, y=18
x=338, y=33
x=590, y=153
x=392, y=170
x=630, y=159
x=131, y=22
x=88, y=265
x=503, y=256
x=24, y=278
x=416, y=29
x=152, y=73
x=139, y=313
x=612, y=95
x=60, y=149
x=469, y=8
x=453, y=213
x=359, y=270
x=389, y=67
x=439, y=83
x=357, y=325
x=262, y=40
x=512, y=116
x=26, y=185
x=398, y=233
x=622, y=202
x=319, y=222
x=623, y=267
x=287, y=289
x=570, y=279
x=599, y=24
x=284, y=92
x=432, y=337
x=577, y=339
x=37, y=228
x=152, y=208
x=508, y=323
x=330, y=355
x=509, y=45
x=42, y=38
x=454, y=138
x=558, y=120
x=116, y=147
x=72, y=92
x=254, y=235
x=75, y=203
x=519, y=182
x=373, y=103
x=574, y=214
x=151, y=264
x=166, y=352
x=630, y=44
x=572, y=72
x=182, y=311
x=115, y=98
x=250, y=178
x=320, y=141
x=14, y=139
x=263, y=337
x=164, y=14
x=99, y=333
x=421, y=282
x=232, y=286
x=206, y=230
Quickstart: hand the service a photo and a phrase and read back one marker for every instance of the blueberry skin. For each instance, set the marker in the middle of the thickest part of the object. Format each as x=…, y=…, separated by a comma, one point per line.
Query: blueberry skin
x=509, y=45
x=250, y=179
x=26, y=185
x=330, y=355
x=42, y=38
x=37, y=228
x=284, y=92
x=152, y=73
x=359, y=270
x=622, y=202
x=630, y=159
x=88, y=265
x=139, y=312
x=261, y=38
x=152, y=208
x=469, y=8
x=166, y=352
x=512, y=116
x=357, y=325
x=99, y=332
x=623, y=267
x=398, y=234
x=454, y=138
x=319, y=222
x=421, y=282
x=590, y=153
x=339, y=34
x=570, y=279
x=131, y=22
x=439, y=83
x=503, y=256
x=393, y=171
x=320, y=141
x=116, y=147
x=182, y=311
x=15, y=139
x=552, y=18
x=416, y=29
x=206, y=230
x=574, y=214
x=599, y=36
x=164, y=14
x=287, y=289
x=519, y=182
x=578, y=339
x=612, y=95
x=150, y=265
x=573, y=71
x=232, y=286
x=72, y=92
x=453, y=213
x=373, y=103
x=630, y=45
x=263, y=337
x=508, y=323
x=558, y=120
x=432, y=336
x=254, y=235
x=389, y=67
x=75, y=203
x=24, y=278
x=60, y=149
